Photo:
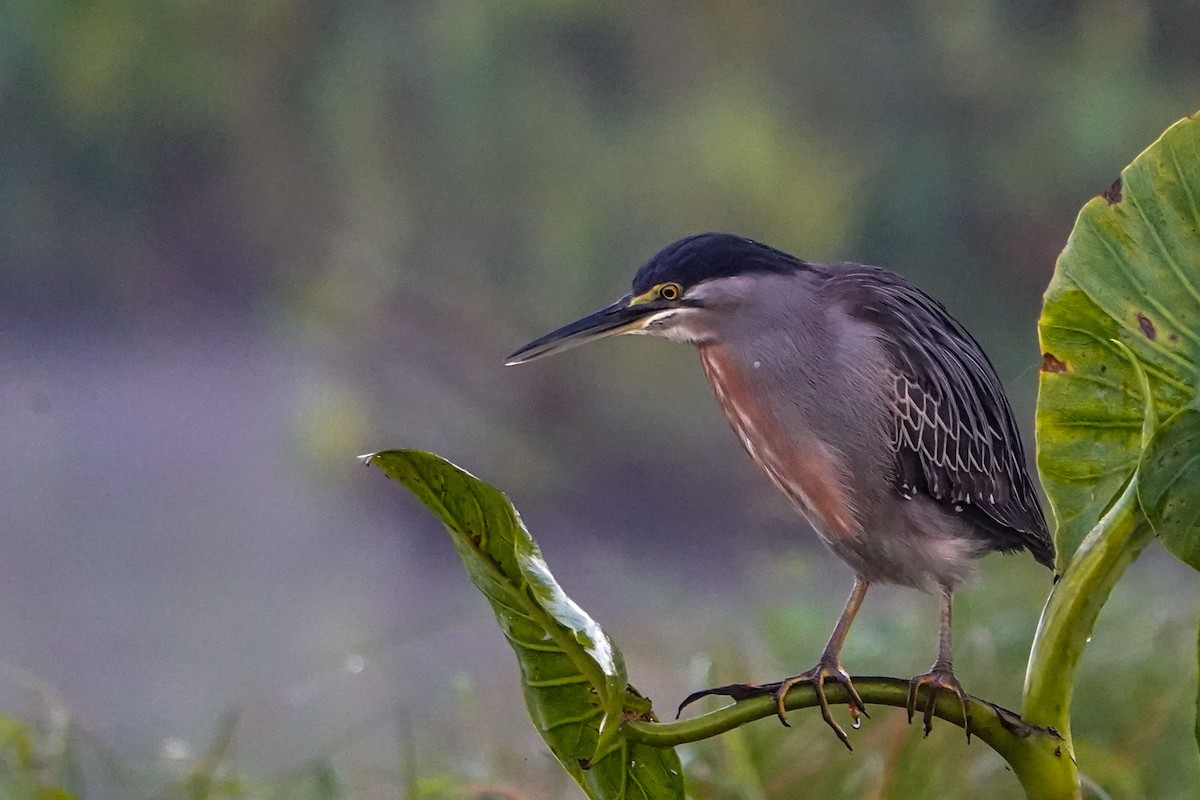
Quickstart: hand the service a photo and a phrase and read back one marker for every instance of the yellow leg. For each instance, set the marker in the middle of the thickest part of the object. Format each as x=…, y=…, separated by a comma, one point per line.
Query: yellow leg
x=829, y=666
x=940, y=677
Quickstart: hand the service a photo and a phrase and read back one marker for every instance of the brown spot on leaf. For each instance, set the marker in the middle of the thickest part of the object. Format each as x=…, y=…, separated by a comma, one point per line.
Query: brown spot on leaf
x=1147, y=326
x=1052, y=364
x=1172, y=338
x=1113, y=193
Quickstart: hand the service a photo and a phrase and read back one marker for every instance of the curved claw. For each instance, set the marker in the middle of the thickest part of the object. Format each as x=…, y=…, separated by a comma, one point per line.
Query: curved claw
x=940, y=678
x=738, y=691
x=817, y=677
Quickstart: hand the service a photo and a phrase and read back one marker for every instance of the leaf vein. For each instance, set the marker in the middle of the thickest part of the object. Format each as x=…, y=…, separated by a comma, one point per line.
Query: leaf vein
x=566, y=680
x=537, y=647
x=578, y=719
x=1168, y=256
x=1122, y=264
x=1187, y=187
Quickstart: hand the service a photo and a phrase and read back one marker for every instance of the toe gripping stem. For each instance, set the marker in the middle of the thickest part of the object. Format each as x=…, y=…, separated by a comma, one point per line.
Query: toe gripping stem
x=940, y=678
x=814, y=677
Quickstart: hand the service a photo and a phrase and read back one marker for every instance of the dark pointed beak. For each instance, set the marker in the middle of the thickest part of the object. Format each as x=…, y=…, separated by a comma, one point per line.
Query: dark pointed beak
x=618, y=318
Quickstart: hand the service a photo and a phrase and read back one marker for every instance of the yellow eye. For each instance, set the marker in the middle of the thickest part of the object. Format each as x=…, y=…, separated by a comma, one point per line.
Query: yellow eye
x=669, y=291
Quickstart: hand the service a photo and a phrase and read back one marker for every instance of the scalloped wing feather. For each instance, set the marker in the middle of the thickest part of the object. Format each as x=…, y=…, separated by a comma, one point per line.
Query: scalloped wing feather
x=954, y=435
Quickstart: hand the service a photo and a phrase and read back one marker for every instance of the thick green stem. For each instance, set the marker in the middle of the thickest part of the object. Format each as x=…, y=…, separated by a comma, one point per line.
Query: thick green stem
x=1071, y=611
x=1036, y=755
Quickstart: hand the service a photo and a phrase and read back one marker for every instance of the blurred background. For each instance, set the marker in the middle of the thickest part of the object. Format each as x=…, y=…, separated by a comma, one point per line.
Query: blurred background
x=243, y=241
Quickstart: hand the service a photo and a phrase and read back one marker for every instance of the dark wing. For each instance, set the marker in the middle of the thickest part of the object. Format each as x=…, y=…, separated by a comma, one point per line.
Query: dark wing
x=954, y=435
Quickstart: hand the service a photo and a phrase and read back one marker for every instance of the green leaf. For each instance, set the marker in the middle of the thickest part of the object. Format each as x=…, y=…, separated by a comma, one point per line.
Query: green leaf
x=1169, y=485
x=573, y=675
x=1129, y=274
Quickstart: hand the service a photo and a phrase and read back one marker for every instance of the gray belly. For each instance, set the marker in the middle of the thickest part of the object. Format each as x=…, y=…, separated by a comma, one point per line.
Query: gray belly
x=912, y=543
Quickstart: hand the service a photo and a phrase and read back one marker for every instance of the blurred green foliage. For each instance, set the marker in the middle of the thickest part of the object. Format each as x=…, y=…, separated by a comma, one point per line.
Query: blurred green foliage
x=460, y=175
x=412, y=188
x=538, y=149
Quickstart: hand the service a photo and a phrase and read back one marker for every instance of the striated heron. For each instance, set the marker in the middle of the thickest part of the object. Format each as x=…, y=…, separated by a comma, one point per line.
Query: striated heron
x=867, y=405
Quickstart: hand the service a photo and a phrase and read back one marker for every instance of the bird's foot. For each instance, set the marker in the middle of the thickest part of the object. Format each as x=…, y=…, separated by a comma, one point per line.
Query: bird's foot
x=940, y=678
x=826, y=669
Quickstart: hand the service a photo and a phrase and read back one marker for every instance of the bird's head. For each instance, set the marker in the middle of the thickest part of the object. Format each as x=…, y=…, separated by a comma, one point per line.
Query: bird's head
x=675, y=294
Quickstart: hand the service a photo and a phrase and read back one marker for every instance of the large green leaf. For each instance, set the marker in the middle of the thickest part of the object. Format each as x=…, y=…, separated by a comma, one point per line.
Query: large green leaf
x=573, y=674
x=1168, y=485
x=1130, y=273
